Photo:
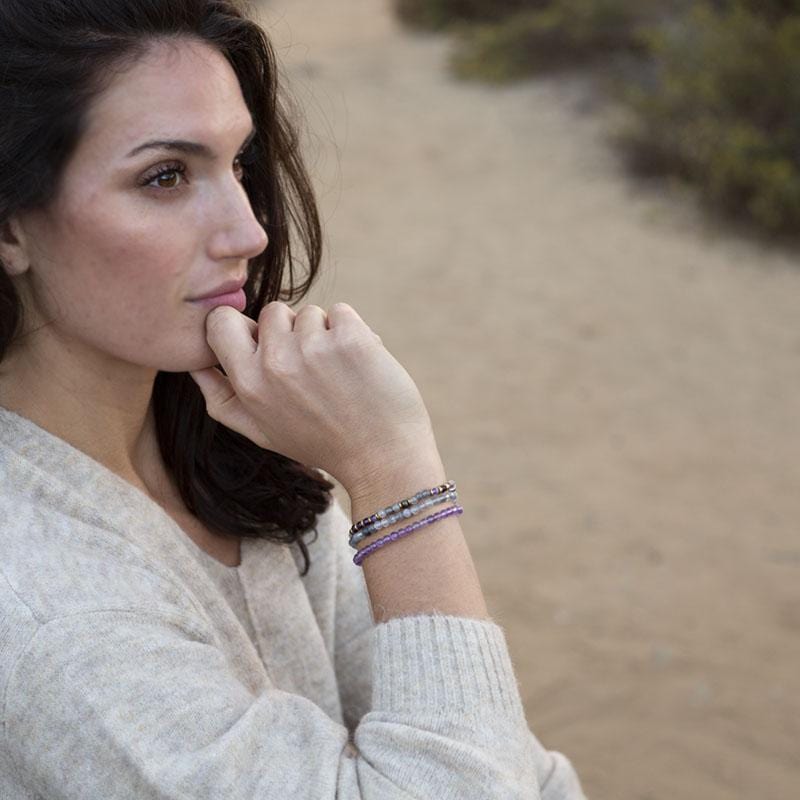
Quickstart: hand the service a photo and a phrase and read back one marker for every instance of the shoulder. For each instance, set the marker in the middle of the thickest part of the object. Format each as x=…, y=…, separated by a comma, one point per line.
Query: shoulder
x=53, y=564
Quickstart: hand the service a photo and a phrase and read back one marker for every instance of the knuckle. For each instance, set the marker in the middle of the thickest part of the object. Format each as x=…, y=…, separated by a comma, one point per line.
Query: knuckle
x=276, y=363
x=309, y=307
x=312, y=347
x=344, y=337
x=267, y=308
x=272, y=304
x=248, y=389
x=355, y=340
x=310, y=313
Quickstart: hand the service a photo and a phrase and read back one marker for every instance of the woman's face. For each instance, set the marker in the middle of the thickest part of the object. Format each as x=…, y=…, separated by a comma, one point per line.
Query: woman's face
x=136, y=229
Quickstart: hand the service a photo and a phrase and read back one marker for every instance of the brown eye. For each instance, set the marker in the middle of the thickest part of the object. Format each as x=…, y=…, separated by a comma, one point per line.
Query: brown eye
x=169, y=177
x=244, y=159
x=168, y=180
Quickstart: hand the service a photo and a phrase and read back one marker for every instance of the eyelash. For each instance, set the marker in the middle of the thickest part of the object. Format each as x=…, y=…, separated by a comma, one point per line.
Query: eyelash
x=245, y=158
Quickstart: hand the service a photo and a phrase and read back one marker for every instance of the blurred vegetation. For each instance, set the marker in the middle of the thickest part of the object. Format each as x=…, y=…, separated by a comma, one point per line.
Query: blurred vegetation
x=713, y=87
x=438, y=14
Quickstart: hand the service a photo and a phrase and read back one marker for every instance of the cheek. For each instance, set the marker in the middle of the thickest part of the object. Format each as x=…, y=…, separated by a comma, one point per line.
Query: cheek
x=123, y=277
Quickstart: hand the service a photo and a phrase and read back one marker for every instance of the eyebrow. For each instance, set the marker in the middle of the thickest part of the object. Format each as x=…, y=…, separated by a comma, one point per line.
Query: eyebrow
x=184, y=146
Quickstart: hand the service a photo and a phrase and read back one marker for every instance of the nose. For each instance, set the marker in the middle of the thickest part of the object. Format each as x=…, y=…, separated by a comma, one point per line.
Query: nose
x=235, y=231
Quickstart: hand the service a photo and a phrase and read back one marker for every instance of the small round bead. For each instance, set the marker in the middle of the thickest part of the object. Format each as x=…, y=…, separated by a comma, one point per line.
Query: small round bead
x=393, y=513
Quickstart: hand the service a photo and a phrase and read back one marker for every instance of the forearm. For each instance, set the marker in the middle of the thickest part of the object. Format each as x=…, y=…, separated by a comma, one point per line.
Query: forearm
x=429, y=570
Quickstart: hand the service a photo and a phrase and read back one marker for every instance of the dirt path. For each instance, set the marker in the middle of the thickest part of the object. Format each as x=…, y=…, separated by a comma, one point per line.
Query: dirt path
x=613, y=385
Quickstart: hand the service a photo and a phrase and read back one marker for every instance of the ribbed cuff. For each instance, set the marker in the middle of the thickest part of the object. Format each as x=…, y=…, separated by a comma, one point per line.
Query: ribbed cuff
x=437, y=662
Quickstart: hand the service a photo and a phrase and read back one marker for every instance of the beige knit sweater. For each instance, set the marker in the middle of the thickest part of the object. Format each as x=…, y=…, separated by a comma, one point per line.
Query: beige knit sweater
x=134, y=666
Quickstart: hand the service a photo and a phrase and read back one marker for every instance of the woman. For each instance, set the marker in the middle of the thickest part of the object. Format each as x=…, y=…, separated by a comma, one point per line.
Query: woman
x=160, y=453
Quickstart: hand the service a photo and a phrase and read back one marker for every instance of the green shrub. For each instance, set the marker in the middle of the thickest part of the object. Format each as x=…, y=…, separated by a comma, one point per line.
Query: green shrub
x=436, y=14
x=714, y=86
x=723, y=109
x=771, y=9
x=566, y=33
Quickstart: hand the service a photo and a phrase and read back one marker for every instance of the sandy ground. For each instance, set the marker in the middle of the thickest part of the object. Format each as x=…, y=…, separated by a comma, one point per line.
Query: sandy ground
x=613, y=383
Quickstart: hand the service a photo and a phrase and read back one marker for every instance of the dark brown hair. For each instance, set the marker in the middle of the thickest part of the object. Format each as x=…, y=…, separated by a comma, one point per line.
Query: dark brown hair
x=56, y=57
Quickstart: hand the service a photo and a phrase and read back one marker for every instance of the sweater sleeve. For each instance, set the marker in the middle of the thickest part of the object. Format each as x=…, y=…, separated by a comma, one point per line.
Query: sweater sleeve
x=353, y=629
x=555, y=774
x=116, y=704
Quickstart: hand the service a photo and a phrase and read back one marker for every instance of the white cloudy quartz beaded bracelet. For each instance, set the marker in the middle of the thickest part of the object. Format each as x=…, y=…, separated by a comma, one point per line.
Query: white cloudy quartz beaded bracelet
x=403, y=509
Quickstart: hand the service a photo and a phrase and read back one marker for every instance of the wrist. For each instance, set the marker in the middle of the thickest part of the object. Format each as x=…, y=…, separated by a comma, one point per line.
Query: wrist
x=396, y=477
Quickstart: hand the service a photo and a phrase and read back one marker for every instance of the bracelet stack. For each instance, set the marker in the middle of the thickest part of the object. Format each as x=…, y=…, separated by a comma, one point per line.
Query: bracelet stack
x=401, y=510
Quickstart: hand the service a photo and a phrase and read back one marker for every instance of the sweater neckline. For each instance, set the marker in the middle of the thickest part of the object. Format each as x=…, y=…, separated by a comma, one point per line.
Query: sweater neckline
x=44, y=449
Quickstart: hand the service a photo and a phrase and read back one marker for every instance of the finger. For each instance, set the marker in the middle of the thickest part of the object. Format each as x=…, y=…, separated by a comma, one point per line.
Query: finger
x=231, y=336
x=274, y=318
x=310, y=318
x=343, y=315
x=340, y=314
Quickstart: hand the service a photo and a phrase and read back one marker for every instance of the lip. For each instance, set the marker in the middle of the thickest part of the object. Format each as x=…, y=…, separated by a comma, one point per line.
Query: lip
x=227, y=288
x=236, y=299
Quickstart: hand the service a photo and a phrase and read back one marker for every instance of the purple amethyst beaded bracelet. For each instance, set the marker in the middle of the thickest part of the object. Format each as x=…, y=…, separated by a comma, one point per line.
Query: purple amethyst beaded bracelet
x=402, y=516
x=398, y=534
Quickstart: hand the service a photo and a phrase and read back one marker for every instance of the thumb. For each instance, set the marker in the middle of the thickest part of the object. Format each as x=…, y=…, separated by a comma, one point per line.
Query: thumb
x=216, y=388
x=224, y=406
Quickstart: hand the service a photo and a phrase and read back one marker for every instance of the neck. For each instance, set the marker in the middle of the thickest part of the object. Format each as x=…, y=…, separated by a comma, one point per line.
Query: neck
x=110, y=420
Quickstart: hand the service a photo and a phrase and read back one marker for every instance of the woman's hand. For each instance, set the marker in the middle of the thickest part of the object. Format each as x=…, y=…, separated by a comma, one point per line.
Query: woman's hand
x=319, y=389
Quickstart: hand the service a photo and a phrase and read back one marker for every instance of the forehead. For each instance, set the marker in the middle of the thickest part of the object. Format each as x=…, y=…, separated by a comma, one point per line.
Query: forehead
x=179, y=89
